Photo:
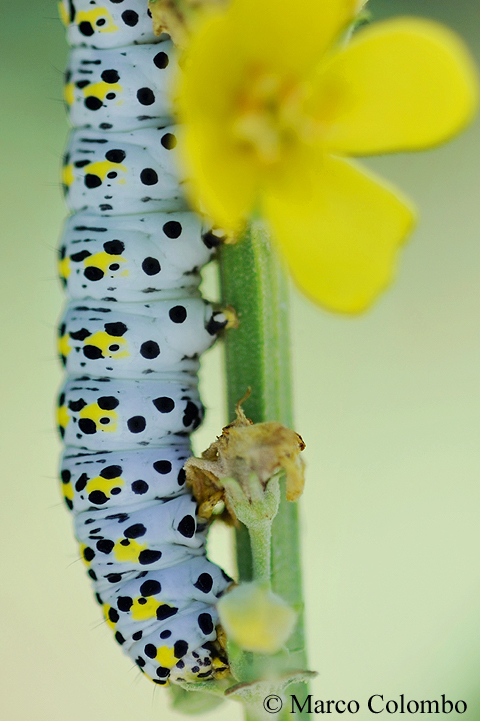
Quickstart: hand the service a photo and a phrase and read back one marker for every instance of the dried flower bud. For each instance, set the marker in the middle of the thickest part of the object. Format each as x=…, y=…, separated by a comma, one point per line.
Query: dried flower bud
x=250, y=453
x=255, y=618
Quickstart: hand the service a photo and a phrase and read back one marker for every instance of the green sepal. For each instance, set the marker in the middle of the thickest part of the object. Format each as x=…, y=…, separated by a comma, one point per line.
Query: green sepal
x=194, y=701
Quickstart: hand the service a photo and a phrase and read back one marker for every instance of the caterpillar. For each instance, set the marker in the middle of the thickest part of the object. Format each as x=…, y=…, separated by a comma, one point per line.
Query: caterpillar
x=130, y=340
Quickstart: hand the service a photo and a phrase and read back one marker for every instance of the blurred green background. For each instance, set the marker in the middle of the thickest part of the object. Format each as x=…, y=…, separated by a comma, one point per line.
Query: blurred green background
x=388, y=404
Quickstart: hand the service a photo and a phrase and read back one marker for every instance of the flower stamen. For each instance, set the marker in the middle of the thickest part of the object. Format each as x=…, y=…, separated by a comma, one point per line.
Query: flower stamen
x=269, y=116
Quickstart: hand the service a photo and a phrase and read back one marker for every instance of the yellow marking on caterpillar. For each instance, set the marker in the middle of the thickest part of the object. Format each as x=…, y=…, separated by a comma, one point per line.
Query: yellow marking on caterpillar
x=104, y=261
x=63, y=417
x=166, y=657
x=83, y=546
x=128, y=552
x=91, y=16
x=63, y=12
x=67, y=491
x=99, y=90
x=63, y=346
x=103, y=341
x=94, y=413
x=142, y=612
x=222, y=672
x=64, y=269
x=69, y=93
x=67, y=175
x=103, y=167
x=106, y=609
x=104, y=485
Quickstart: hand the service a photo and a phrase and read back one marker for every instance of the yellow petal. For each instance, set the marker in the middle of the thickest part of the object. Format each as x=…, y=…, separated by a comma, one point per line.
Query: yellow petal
x=339, y=229
x=222, y=176
x=222, y=180
x=289, y=36
x=226, y=55
x=399, y=85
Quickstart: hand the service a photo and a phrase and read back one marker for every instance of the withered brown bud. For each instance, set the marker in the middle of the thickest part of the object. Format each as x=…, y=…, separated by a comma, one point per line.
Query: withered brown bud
x=246, y=450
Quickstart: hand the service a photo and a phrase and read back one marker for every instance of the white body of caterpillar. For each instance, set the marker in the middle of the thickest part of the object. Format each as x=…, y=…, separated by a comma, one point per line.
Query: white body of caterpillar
x=130, y=340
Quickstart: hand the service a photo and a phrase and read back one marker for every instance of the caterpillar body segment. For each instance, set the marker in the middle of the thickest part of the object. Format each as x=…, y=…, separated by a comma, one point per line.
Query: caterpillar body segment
x=142, y=340
x=105, y=479
x=120, y=91
x=123, y=173
x=135, y=257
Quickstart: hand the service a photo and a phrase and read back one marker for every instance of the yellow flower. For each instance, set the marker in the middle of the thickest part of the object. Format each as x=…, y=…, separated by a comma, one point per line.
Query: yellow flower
x=273, y=102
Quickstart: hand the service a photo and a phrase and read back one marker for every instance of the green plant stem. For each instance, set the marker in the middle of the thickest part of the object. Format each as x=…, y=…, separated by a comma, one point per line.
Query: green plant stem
x=258, y=357
x=260, y=544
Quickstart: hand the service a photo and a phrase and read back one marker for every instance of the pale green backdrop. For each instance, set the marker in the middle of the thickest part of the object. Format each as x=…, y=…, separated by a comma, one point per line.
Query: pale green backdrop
x=388, y=404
